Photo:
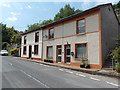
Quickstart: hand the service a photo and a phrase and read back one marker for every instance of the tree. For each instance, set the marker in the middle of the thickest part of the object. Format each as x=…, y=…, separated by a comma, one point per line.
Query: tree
x=117, y=9
x=10, y=36
x=65, y=12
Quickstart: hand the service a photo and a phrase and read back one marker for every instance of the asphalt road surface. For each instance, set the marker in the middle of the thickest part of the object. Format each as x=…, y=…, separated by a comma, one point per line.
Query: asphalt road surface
x=18, y=73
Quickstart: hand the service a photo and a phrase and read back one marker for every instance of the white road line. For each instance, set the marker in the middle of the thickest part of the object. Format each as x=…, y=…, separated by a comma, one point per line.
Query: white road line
x=48, y=66
x=80, y=75
x=94, y=79
x=10, y=64
x=112, y=84
x=61, y=69
x=69, y=72
x=35, y=79
x=45, y=65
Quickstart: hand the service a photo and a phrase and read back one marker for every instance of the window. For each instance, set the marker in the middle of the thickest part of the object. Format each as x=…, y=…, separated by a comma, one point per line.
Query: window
x=81, y=26
x=80, y=51
x=36, y=36
x=24, y=50
x=51, y=33
x=24, y=39
x=36, y=49
x=50, y=52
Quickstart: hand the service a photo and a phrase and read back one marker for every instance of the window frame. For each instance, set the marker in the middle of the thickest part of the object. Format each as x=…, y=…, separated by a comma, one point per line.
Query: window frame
x=36, y=37
x=84, y=26
x=49, y=33
x=85, y=58
x=47, y=52
x=58, y=54
x=36, y=52
x=24, y=50
x=25, y=39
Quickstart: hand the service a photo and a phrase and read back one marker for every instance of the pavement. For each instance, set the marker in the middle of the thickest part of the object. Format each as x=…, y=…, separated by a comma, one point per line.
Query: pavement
x=104, y=72
x=20, y=73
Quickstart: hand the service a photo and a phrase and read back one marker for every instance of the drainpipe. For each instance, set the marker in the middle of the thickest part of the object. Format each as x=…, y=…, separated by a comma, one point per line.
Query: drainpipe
x=42, y=45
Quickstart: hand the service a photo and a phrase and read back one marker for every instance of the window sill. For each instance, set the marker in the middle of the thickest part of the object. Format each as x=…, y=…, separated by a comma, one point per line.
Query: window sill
x=81, y=59
x=50, y=57
x=36, y=41
x=81, y=34
x=51, y=39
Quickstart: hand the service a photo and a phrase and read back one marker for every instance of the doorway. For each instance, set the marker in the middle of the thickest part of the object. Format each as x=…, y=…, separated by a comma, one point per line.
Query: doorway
x=59, y=54
x=67, y=54
x=30, y=51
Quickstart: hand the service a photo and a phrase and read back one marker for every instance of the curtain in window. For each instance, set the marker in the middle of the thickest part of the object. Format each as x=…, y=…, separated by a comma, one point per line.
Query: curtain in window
x=51, y=33
x=81, y=51
x=81, y=26
x=50, y=52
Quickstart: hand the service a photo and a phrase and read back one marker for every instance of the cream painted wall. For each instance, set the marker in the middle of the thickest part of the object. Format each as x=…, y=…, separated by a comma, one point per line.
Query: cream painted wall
x=31, y=41
x=93, y=46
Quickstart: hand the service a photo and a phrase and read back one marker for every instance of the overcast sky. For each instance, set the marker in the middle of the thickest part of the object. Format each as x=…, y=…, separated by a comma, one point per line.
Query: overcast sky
x=21, y=13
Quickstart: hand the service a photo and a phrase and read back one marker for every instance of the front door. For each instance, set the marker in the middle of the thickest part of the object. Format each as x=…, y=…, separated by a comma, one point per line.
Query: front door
x=30, y=51
x=67, y=54
x=59, y=53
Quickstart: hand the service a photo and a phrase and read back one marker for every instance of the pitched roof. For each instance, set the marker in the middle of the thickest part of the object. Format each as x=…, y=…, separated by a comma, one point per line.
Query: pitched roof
x=69, y=17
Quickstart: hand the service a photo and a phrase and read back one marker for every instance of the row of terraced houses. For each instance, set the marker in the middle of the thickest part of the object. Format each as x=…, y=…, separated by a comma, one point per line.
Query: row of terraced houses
x=88, y=36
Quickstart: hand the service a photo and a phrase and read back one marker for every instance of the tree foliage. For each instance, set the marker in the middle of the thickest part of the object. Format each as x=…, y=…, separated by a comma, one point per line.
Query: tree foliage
x=116, y=52
x=9, y=36
x=65, y=12
x=117, y=9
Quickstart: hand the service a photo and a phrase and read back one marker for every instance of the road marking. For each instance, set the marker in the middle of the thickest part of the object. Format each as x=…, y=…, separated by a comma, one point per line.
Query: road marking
x=10, y=64
x=61, y=69
x=46, y=65
x=69, y=72
x=35, y=79
x=112, y=84
x=94, y=79
x=80, y=75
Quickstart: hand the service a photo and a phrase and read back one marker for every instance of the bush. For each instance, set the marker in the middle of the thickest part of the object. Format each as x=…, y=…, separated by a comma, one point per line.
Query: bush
x=117, y=67
x=87, y=65
x=84, y=64
x=14, y=52
x=48, y=60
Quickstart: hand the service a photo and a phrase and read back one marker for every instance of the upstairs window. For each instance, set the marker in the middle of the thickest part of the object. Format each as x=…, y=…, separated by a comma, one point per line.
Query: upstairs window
x=24, y=39
x=36, y=49
x=36, y=36
x=81, y=26
x=51, y=33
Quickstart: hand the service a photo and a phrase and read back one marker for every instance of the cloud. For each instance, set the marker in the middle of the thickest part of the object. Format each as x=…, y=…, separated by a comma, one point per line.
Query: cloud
x=14, y=13
x=12, y=18
x=29, y=6
x=6, y=5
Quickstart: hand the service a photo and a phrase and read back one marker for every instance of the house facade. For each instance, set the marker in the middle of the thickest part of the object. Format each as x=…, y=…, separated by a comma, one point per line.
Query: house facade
x=86, y=36
x=31, y=45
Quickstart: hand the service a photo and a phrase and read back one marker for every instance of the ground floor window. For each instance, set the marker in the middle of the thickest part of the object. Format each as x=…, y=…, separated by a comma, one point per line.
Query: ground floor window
x=49, y=52
x=80, y=50
x=36, y=49
x=24, y=50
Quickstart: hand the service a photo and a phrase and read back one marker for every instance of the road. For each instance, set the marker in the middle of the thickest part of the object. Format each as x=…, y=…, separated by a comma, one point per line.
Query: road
x=18, y=73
